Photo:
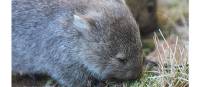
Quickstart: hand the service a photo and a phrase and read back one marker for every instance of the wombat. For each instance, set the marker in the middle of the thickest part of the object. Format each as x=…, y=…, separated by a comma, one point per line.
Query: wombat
x=76, y=42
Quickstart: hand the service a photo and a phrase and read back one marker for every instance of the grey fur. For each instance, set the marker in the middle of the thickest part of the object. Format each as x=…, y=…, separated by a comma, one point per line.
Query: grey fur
x=47, y=39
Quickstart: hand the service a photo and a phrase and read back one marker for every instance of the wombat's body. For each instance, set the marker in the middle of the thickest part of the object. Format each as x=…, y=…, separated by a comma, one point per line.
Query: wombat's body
x=75, y=41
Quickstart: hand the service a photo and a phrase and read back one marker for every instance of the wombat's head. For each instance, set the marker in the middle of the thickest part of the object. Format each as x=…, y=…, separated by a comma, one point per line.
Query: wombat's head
x=110, y=43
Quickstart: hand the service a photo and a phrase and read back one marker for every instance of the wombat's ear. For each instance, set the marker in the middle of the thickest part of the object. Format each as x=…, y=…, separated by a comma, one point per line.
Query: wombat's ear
x=81, y=23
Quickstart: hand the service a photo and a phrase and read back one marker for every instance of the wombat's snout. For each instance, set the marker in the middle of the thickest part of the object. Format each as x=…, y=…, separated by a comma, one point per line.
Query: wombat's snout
x=132, y=74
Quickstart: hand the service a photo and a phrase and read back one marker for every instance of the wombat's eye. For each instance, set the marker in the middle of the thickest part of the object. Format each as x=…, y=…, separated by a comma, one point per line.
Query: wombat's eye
x=122, y=60
x=121, y=57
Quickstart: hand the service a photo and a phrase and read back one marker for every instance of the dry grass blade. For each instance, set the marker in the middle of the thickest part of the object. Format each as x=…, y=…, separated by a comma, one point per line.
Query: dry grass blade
x=174, y=71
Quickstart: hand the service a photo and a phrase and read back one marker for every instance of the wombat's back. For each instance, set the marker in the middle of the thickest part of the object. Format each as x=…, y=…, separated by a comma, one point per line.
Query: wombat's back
x=39, y=27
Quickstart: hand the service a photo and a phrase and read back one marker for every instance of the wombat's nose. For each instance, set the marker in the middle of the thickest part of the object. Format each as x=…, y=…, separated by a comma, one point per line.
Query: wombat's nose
x=130, y=75
x=134, y=74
